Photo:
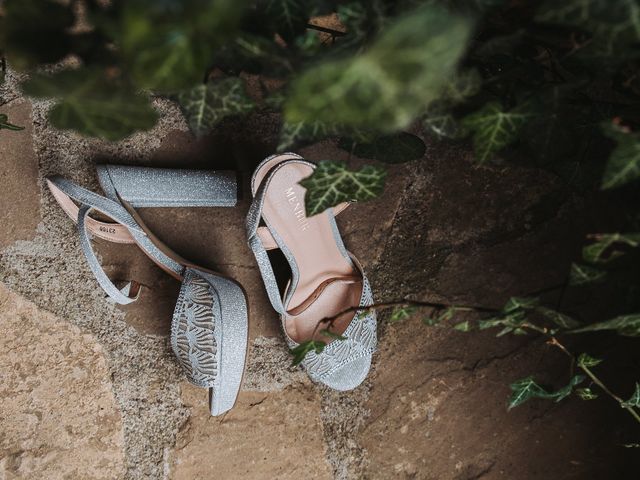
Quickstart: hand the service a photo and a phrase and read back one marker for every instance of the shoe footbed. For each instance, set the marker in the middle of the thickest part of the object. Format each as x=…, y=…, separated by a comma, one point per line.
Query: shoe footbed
x=325, y=275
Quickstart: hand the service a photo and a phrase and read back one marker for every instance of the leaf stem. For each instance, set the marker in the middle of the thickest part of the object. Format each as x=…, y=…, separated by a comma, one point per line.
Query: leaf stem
x=554, y=341
x=412, y=303
x=329, y=321
x=598, y=382
x=436, y=305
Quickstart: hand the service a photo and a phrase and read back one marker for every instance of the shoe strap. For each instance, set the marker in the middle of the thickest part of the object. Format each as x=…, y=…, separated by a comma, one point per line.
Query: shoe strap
x=261, y=239
x=125, y=230
x=113, y=232
x=269, y=243
x=256, y=243
x=121, y=296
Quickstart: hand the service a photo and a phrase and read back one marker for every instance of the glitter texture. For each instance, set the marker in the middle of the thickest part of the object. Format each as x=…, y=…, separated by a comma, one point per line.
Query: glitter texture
x=164, y=187
x=209, y=332
x=343, y=364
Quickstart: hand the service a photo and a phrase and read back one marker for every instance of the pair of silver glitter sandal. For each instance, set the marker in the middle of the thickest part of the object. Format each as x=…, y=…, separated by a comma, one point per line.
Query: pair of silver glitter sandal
x=325, y=299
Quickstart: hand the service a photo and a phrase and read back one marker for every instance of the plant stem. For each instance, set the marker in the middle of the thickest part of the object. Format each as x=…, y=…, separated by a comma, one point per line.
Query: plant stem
x=535, y=328
x=554, y=341
x=329, y=321
x=436, y=305
x=598, y=382
x=544, y=331
x=412, y=303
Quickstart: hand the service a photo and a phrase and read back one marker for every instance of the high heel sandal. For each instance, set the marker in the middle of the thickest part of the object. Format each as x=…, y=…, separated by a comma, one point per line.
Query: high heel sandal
x=210, y=323
x=327, y=285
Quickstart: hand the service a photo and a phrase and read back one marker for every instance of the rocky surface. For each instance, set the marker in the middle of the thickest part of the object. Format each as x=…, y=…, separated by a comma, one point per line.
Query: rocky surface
x=434, y=405
x=19, y=192
x=266, y=435
x=59, y=418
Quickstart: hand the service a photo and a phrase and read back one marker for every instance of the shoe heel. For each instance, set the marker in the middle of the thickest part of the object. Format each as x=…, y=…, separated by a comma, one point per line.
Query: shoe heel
x=209, y=335
x=165, y=187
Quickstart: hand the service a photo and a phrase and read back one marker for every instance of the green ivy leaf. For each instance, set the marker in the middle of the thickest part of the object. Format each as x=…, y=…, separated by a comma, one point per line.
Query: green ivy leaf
x=300, y=352
x=438, y=117
x=92, y=104
x=520, y=303
x=595, y=253
x=584, y=274
x=289, y=16
x=205, y=106
x=560, y=319
x=463, y=86
x=587, y=361
x=634, y=401
x=4, y=123
x=380, y=88
x=361, y=20
x=444, y=316
x=448, y=314
x=332, y=183
x=440, y=121
x=524, y=390
x=550, y=136
x=35, y=32
x=628, y=325
x=333, y=335
x=168, y=46
x=510, y=321
x=493, y=128
x=586, y=393
x=623, y=165
x=492, y=323
x=615, y=26
x=430, y=321
x=308, y=45
x=253, y=54
x=402, y=313
x=527, y=388
x=396, y=148
x=293, y=133
x=463, y=326
x=296, y=133
x=505, y=331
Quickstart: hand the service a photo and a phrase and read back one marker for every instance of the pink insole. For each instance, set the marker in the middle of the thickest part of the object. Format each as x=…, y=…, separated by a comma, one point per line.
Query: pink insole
x=313, y=246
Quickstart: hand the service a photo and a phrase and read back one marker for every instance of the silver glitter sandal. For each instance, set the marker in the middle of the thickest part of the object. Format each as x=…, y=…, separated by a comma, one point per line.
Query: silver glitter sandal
x=327, y=282
x=210, y=322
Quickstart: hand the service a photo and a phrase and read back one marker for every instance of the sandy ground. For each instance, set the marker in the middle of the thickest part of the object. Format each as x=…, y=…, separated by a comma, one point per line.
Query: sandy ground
x=91, y=390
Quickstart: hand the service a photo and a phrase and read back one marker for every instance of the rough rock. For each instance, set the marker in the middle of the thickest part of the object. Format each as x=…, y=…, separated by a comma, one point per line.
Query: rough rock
x=439, y=412
x=58, y=414
x=266, y=435
x=18, y=177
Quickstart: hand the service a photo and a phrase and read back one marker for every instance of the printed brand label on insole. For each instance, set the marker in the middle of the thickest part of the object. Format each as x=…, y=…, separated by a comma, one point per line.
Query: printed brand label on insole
x=107, y=229
x=297, y=208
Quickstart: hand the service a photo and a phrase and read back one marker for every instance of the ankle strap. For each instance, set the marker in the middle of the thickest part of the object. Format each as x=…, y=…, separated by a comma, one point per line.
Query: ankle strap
x=266, y=237
x=113, y=232
x=259, y=251
x=261, y=238
x=125, y=230
x=121, y=296
x=63, y=191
